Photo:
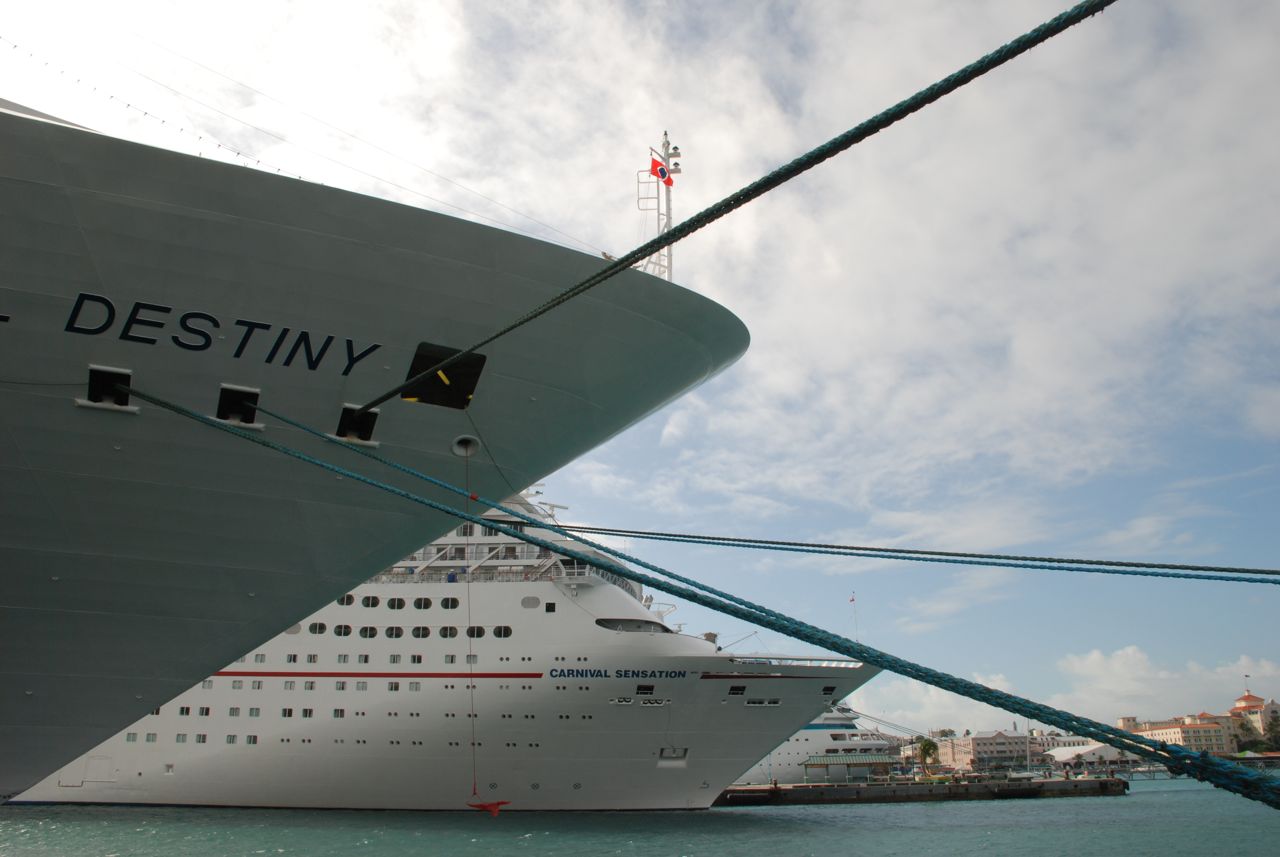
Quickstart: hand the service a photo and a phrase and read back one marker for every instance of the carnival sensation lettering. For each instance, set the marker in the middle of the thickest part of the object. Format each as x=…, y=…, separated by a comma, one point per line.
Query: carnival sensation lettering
x=570, y=673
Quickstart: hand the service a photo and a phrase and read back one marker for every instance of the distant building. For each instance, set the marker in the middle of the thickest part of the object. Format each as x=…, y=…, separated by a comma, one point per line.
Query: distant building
x=1209, y=737
x=984, y=750
x=1215, y=733
x=1255, y=710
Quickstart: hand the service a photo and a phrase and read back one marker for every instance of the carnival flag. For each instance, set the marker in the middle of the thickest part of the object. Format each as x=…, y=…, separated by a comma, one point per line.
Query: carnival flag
x=657, y=169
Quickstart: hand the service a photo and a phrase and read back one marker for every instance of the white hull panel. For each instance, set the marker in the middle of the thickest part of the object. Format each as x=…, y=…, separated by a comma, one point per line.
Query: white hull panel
x=140, y=550
x=562, y=714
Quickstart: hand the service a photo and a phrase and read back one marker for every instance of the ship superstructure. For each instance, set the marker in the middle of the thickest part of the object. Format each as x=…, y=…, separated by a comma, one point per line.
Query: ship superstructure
x=139, y=549
x=836, y=735
x=479, y=670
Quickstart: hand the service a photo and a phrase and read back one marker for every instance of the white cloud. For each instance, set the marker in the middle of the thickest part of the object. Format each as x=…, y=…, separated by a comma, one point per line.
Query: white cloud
x=1127, y=682
x=1102, y=687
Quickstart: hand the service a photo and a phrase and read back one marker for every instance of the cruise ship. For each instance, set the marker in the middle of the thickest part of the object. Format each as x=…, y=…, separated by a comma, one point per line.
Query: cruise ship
x=834, y=735
x=139, y=549
x=481, y=672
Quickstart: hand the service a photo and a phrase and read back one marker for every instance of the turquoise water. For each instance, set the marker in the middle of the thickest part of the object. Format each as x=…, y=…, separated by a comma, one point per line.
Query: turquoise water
x=1160, y=818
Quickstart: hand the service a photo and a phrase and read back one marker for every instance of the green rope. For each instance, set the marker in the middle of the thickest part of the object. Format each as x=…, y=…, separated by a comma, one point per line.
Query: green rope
x=783, y=174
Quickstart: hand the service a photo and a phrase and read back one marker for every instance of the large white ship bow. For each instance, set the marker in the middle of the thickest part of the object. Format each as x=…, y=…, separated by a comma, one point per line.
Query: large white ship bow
x=140, y=550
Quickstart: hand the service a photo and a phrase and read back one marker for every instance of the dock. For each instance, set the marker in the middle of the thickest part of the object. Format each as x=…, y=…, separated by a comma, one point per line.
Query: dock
x=903, y=792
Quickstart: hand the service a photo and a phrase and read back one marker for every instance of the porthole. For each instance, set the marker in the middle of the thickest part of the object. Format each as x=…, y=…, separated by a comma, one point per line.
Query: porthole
x=422, y=603
x=449, y=603
x=475, y=632
x=503, y=631
x=368, y=632
x=347, y=600
x=448, y=632
x=421, y=631
x=394, y=632
x=317, y=627
x=395, y=603
x=342, y=630
x=370, y=601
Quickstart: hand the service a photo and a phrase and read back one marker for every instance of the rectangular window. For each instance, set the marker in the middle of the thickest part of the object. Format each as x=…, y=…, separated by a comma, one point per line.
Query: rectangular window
x=415, y=659
x=395, y=659
x=308, y=685
x=234, y=711
x=339, y=685
x=339, y=713
x=251, y=739
x=286, y=712
x=472, y=659
x=254, y=712
x=307, y=712
x=364, y=659
x=737, y=690
x=201, y=738
x=204, y=711
x=342, y=659
x=415, y=685
x=207, y=684
x=313, y=659
x=184, y=711
x=180, y=738
x=362, y=685
x=259, y=659
x=151, y=737
x=231, y=739
x=450, y=659
x=289, y=684
x=290, y=659
x=257, y=684
x=237, y=684
x=393, y=686
x=644, y=690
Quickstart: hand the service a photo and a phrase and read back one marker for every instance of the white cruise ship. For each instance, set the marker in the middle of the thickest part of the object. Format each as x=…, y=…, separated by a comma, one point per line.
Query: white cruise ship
x=139, y=549
x=480, y=672
x=835, y=735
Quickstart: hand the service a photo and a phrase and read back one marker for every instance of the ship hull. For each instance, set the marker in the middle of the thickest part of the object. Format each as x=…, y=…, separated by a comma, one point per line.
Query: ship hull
x=561, y=714
x=138, y=549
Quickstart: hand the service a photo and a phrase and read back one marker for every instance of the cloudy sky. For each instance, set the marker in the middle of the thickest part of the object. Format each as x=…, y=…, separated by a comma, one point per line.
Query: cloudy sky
x=1042, y=316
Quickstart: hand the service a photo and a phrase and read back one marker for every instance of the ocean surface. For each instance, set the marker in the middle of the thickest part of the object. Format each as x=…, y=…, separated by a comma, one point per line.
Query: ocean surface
x=1162, y=818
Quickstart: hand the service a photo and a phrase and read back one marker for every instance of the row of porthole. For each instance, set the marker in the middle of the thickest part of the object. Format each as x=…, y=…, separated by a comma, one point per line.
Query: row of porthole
x=397, y=603
x=395, y=632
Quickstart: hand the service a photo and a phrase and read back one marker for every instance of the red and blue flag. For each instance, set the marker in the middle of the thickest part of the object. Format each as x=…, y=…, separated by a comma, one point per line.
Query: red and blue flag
x=657, y=169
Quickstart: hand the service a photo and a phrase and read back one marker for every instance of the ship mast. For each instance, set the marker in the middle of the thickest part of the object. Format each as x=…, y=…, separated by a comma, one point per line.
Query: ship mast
x=653, y=193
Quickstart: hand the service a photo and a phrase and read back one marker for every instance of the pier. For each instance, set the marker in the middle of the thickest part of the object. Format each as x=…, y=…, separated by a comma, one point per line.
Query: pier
x=911, y=792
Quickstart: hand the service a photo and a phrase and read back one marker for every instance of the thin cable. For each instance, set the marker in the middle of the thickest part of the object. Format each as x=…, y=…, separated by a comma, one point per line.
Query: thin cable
x=907, y=553
x=783, y=174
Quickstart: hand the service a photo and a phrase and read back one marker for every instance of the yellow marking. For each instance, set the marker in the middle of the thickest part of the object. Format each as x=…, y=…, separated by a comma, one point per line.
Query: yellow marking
x=443, y=377
x=411, y=398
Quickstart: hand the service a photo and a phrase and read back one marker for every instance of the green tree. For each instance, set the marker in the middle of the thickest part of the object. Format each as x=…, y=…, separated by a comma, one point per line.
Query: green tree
x=1272, y=734
x=1247, y=736
x=927, y=749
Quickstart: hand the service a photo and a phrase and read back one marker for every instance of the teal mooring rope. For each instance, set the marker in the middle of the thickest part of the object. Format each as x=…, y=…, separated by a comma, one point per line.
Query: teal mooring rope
x=783, y=174
x=1202, y=766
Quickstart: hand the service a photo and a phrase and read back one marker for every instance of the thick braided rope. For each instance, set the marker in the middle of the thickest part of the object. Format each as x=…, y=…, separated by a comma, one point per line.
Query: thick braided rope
x=783, y=174
x=1221, y=773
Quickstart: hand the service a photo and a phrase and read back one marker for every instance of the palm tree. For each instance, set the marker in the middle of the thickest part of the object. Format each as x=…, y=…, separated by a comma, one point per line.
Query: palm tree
x=927, y=749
